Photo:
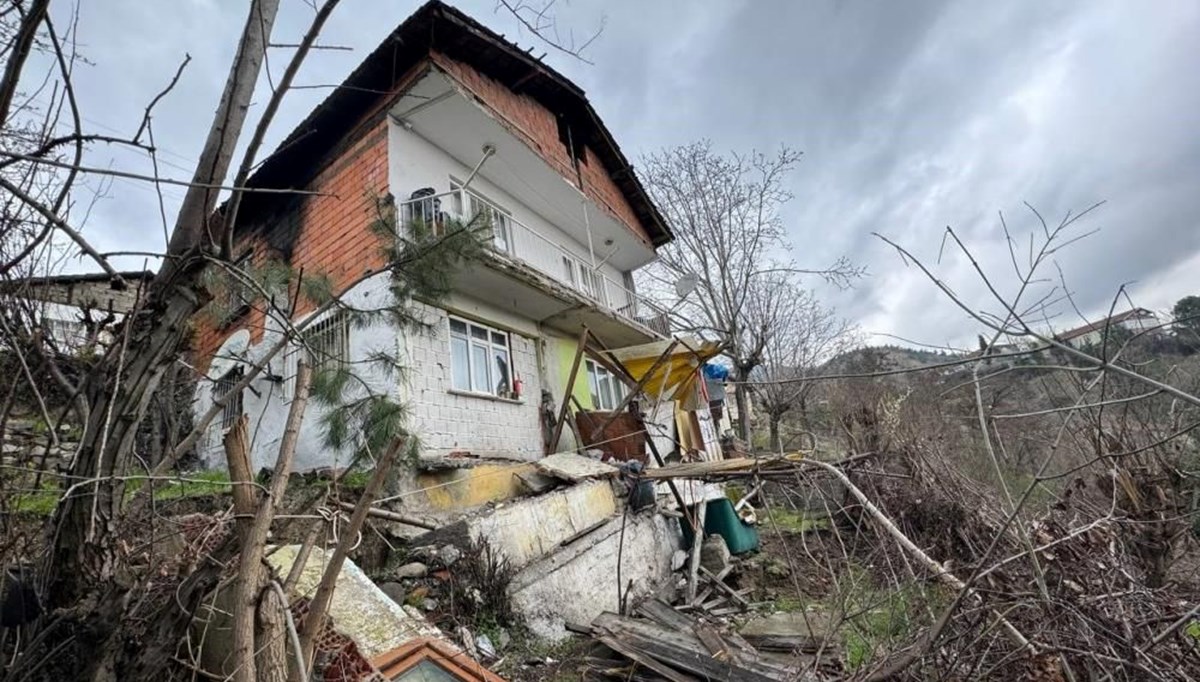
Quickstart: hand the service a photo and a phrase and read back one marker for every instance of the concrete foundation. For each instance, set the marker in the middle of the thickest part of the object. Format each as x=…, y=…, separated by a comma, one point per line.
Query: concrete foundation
x=578, y=582
x=528, y=529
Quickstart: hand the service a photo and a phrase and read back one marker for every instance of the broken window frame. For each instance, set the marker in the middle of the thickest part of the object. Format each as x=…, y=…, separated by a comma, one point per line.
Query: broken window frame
x=396, y=665
x=473, y=338
x=607, y=390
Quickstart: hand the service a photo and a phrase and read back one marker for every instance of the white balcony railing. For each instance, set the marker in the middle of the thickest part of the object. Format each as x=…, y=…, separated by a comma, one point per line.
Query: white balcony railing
x=516, y=240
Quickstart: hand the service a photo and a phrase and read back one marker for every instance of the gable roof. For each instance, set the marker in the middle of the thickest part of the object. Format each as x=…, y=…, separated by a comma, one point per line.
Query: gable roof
x=437, y=26
x=1134, y=314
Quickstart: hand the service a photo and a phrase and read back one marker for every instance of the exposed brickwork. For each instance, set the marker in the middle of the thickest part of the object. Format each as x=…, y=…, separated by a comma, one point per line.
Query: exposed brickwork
x=538, y=127
x=336, y=656
x=326, y=234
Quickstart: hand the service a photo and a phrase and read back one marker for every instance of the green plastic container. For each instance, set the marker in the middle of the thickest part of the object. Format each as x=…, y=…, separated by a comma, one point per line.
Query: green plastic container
x=720, y=519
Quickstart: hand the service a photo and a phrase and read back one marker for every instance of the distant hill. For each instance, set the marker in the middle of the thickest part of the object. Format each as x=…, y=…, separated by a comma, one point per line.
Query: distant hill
x=884, y=358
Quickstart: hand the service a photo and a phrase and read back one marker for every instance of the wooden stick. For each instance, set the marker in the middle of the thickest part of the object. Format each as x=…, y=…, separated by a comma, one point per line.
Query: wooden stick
x=929, y=562
x=562, y=411
x=254, y=525
x=697, y=541
x=392, y=516
x=629, y=395
x=320, y=602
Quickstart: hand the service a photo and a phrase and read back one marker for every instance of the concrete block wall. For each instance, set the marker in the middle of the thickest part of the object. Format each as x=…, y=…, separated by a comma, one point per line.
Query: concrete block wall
x=447, y=421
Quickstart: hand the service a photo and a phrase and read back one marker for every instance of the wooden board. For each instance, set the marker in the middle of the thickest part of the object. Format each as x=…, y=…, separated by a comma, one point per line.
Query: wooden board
x=574, y=468
x=681, y=651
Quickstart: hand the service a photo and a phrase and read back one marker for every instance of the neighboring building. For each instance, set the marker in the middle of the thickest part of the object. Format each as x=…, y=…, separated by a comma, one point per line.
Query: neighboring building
x=75, y=311
x=1135, y=320
x=442, y=101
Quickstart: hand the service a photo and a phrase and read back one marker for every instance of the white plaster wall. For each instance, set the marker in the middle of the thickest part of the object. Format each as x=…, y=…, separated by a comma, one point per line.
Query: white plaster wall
x=579, y=582
x=414, y=162
x=447, y=421
x=268, y=410
x=528, y=529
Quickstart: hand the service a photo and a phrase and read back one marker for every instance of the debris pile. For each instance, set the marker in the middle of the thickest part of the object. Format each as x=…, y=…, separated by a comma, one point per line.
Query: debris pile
x=679, y=647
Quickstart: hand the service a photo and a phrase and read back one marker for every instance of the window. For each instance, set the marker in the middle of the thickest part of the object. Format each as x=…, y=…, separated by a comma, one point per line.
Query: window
x=607, y=390
x=423, y=206
x=66, y=333
x=569, y=274
x=584, y=279
x=232, y=410
x=479, y=359
x=328, y=343
x=470, y=206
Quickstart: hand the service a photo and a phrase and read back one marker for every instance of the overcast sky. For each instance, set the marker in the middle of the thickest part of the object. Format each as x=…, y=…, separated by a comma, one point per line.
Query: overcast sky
x=912, y=116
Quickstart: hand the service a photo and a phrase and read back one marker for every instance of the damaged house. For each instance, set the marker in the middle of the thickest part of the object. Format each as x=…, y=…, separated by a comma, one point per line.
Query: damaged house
x=512, y=379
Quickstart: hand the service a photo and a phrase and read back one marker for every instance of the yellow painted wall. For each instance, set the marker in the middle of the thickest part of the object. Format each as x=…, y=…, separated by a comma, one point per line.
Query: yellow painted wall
x=564, y=354
x=466, y=488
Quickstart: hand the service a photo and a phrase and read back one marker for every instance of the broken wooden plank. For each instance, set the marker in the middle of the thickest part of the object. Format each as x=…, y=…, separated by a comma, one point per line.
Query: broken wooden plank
x=683, y=651
x=787, y=643
x=720, y=577
x=574, y=468
x=727, y=610
x=665, y=615
x=747, y=497
x=724, y=588
x=649, y=662
x=712, y=640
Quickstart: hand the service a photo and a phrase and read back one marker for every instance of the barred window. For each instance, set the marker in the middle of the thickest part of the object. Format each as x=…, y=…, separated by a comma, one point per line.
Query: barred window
x=232, y=410
x=328, y=343
x=479, y=359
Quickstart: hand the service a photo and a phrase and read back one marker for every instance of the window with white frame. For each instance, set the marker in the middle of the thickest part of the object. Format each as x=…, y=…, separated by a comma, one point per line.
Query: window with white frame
x=232, y=410
x=480, y=359
x=67, y=334
x=584, y=279
x=607, y=390
x=328, y=343
x=468, y=205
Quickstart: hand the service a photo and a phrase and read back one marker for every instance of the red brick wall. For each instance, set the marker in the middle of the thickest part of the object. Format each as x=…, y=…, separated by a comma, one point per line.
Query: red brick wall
x=329, y=233
x=538, y=127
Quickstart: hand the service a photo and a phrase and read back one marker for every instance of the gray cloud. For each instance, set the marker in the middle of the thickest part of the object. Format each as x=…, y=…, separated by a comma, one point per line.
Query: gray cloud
x=913, y=116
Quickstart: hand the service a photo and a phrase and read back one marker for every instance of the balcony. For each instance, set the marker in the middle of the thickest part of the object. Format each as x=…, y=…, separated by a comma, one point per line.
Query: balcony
x=515, y=246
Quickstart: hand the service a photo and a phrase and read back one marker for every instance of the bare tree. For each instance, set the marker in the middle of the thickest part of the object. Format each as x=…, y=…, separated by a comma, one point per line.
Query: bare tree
x=108, y=622
x=730, y=247
x=805, y=335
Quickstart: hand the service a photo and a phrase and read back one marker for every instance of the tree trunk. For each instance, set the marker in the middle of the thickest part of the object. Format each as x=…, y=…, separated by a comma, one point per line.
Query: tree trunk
x=741, y=393
x=271, y=660
x=776, y=442
x=84, y=558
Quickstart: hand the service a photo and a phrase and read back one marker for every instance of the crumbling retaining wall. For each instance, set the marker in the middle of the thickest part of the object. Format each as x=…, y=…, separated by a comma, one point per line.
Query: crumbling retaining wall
x=529, y=529
x=579, y=581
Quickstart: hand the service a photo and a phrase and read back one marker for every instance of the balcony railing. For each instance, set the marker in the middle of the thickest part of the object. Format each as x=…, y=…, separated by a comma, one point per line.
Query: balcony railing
x=516, y=240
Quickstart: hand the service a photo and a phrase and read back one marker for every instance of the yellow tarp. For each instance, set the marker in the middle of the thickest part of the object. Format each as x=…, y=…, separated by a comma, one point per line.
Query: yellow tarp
x=677, y=375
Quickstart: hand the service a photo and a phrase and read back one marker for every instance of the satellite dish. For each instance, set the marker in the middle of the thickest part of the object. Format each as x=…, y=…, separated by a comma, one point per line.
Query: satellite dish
x=686, y=284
